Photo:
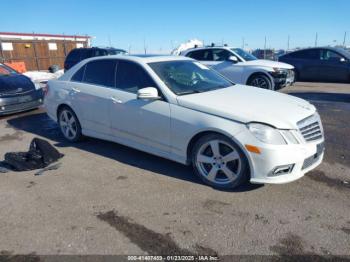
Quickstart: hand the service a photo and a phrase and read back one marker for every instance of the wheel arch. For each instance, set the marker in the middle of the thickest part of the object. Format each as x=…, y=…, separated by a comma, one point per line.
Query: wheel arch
x=200, y=134
x=61, y=106
x=256, y=73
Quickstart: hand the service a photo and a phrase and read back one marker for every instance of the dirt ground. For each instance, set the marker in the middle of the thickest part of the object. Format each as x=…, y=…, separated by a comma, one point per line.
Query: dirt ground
x=107, y=199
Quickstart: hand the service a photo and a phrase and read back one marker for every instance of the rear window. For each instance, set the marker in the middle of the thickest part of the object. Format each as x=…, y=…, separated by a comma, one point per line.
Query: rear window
x=74, y=55
x=100, y=72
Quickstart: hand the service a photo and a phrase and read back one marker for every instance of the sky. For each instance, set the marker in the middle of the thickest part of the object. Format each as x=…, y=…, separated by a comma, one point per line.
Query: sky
x=161, y=25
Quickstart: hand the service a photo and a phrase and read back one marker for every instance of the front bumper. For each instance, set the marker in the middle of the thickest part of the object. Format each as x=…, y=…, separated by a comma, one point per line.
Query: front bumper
x=21, y=102
x=283, y=79
x=302, y=158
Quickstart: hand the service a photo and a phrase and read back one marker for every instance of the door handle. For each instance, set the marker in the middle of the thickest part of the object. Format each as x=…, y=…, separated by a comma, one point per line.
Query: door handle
x=76, y=90
x=116, y=100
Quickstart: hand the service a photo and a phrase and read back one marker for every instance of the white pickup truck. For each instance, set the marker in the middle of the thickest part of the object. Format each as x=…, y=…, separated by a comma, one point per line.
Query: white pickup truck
x=243, y=68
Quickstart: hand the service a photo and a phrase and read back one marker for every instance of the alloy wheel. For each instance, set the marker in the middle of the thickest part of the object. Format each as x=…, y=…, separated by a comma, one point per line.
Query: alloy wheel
x=218, y=162
x=68, y=124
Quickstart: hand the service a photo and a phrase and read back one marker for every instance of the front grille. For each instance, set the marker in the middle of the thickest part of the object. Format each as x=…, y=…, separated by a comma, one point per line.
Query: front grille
x=310, y=128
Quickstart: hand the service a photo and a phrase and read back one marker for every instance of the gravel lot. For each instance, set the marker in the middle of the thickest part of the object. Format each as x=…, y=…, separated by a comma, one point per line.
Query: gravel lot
x=109, y=199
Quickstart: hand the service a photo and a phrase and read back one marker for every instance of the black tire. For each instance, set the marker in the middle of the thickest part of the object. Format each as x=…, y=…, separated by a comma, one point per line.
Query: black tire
x=241, y=178
x=260, y=80
x=77, y=127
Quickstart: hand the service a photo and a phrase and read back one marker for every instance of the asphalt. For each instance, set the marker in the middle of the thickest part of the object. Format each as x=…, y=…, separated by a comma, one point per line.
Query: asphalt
x=107, y=199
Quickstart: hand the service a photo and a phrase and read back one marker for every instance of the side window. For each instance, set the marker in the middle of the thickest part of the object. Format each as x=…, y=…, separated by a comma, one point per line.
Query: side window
x=100, y=52
x=201, y=55
x=310, y=54
x=221, y=54
x=78, y=76
x=100, y=72
x=328, y=55
x=132, y=77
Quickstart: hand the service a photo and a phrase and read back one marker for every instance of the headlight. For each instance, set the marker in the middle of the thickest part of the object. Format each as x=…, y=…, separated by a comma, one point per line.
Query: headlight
x=37, y=86
x=266, y=134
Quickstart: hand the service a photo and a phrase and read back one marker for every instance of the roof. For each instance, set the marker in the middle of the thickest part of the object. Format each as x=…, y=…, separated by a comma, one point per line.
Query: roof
x=143, y=58
x=336, y=49
x=30, y=36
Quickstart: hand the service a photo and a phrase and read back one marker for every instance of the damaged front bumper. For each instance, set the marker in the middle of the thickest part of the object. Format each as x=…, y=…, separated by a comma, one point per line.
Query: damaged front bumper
x=283, y=78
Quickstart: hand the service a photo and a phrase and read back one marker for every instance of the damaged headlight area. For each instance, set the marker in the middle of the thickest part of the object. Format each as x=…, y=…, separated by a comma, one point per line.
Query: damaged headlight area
x=270, y=135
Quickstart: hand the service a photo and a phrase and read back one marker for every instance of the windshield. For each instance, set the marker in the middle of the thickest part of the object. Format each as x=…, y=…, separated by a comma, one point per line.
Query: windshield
x=188, y=77
x=246, y=56
x=5, y=70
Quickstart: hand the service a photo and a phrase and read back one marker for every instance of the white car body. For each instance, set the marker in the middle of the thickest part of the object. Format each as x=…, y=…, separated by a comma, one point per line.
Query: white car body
x=167, y=126
x=242, y=70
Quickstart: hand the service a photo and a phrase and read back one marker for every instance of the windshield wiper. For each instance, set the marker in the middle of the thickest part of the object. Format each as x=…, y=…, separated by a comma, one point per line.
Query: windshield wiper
x=188, y=92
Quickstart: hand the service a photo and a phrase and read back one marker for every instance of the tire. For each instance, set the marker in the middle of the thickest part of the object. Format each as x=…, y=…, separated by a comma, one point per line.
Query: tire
x=69, y=125
x=211, y=162
x=260, y=80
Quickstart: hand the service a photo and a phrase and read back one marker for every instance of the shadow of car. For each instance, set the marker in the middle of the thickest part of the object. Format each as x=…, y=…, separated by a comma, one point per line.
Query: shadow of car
x=41, y=125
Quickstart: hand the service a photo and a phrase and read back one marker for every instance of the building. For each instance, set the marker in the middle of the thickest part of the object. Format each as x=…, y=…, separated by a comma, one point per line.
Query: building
x=38, y=51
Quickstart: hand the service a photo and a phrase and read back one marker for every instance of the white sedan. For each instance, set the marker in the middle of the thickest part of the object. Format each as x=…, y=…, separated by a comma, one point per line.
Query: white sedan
x=243, y=68
x=179, y=109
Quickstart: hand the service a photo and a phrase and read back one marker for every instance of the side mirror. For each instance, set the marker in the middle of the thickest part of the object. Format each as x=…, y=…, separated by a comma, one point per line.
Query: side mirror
x=342, y=60
x=233, y=59
x=148, y=93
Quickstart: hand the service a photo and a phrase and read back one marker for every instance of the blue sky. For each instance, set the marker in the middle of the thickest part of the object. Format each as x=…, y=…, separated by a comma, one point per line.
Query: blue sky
x=163, y=24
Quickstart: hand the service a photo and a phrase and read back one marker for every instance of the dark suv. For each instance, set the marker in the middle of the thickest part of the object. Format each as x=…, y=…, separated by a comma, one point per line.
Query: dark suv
x=79, y=54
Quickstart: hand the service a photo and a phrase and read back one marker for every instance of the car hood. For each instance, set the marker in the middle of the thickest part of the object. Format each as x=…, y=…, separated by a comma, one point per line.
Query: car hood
x=267, y=63
x=250, y=104
x=15, y=83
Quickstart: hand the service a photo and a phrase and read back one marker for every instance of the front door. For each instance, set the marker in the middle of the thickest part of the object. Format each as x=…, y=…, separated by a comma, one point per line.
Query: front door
x=136, y=122
x=333, y=66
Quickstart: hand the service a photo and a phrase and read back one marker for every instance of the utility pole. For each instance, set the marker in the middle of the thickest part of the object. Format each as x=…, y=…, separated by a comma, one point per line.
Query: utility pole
x=288, y=43
x=144, y=46
x=265, y=48
x=344, y=41
x=316, y=38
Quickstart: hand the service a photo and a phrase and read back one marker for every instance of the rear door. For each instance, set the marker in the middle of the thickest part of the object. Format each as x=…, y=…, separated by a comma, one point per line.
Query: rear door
x=92, y=89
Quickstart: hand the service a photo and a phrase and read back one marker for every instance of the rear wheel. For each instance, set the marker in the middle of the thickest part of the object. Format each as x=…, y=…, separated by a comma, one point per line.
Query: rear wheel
x=260, y=80
x=69, y=124
x=219, y=162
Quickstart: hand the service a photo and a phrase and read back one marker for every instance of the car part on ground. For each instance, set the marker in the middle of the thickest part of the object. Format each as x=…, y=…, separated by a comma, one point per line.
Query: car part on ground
x=41, y=154
x=243, y=68
x=177, y=108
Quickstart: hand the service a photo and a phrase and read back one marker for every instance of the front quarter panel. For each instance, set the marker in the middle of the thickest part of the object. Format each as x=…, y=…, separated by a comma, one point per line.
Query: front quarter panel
x=186, y=123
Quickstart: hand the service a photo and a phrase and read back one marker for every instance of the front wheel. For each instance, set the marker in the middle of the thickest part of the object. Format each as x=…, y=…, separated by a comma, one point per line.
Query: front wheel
x=219, y=162
x=261, y=81
x=69, y=124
